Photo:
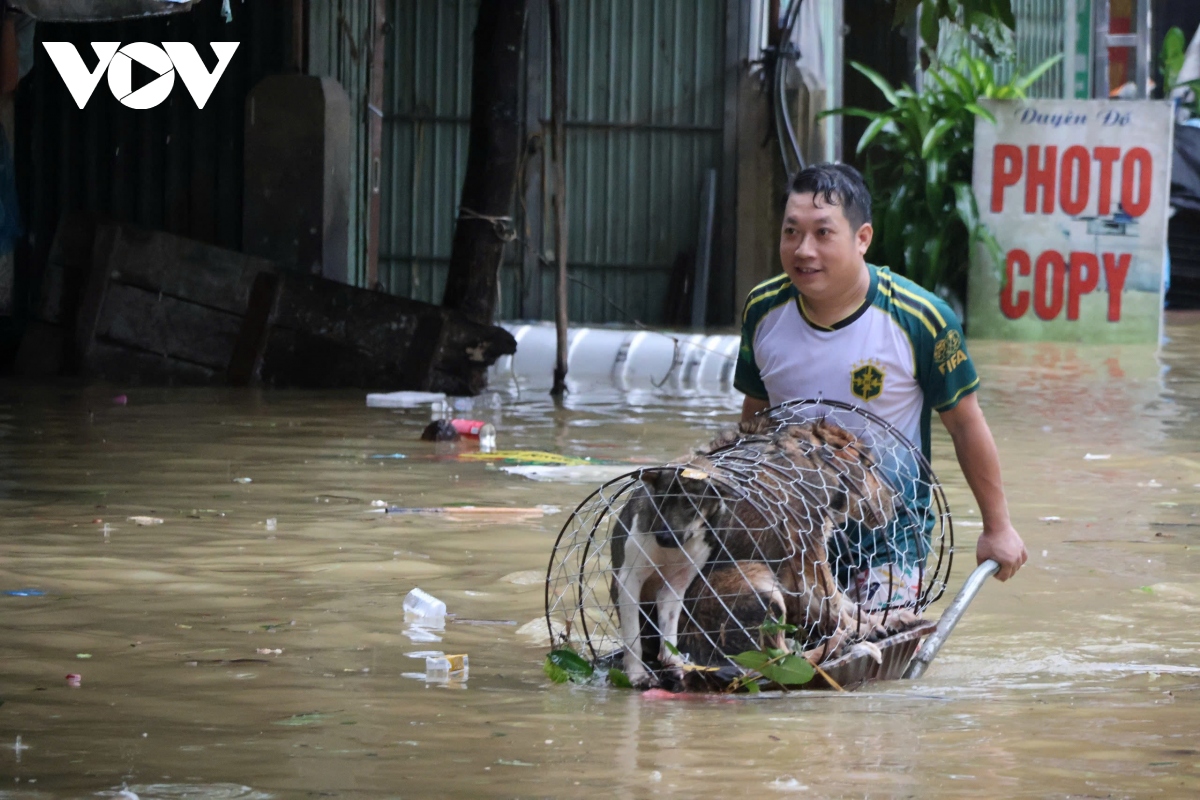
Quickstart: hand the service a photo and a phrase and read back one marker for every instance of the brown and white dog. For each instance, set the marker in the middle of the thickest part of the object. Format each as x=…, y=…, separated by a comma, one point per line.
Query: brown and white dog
x=766, y=499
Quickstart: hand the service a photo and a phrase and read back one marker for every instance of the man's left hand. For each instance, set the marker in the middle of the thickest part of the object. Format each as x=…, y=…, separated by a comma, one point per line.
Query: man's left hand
x=1004, y=545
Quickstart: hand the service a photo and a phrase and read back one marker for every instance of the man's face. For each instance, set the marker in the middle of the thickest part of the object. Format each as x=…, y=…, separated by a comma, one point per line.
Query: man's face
x=819, y=248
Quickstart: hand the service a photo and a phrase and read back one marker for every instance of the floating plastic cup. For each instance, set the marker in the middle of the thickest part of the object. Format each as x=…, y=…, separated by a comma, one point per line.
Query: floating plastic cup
x=424, y=609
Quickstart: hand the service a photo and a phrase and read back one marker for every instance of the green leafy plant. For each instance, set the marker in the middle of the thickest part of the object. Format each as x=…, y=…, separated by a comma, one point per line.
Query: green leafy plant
x=919, y=153
x=1174, y=49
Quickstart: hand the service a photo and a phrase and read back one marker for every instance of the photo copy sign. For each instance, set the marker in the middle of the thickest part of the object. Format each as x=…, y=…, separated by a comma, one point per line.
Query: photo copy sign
x=1076, y=193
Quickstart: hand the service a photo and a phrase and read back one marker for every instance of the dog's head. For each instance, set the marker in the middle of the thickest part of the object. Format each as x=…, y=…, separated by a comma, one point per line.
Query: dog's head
x=682, y=502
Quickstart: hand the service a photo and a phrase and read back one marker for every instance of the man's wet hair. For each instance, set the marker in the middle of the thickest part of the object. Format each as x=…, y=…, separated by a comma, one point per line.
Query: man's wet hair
x=837, y=185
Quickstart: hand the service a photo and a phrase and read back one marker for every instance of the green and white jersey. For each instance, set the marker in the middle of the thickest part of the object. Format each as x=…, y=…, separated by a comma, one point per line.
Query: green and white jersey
x=899, y=356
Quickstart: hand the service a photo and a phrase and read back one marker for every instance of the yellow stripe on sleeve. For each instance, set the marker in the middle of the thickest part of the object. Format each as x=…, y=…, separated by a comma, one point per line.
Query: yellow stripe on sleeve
x=924, y=302
x=916, y=313
x=957, y=396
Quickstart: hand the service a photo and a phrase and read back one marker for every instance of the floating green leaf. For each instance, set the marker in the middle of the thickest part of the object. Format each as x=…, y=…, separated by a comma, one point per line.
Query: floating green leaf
x=619, y=679
x=752, y=688
x=786, y=669
x=554, y=672
x=564, y=665
x=311, y=718
x=790, y=670
x=751, y=659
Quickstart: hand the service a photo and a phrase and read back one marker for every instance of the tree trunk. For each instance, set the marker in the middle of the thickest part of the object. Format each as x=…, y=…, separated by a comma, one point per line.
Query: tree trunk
x=484, y=225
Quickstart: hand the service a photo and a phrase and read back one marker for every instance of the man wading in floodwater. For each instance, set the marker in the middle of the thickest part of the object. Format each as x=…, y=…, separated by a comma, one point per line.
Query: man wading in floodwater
x=835, y=327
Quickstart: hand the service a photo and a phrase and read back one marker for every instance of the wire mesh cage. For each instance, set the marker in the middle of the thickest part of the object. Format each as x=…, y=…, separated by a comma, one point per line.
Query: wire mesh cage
x=815, y=529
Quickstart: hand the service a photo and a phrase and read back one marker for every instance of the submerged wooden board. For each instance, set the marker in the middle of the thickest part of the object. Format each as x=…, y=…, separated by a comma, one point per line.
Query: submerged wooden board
x=226, y=317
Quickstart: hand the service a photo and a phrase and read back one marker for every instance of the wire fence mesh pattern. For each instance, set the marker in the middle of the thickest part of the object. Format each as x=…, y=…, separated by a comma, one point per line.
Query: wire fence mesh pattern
x=816, y=529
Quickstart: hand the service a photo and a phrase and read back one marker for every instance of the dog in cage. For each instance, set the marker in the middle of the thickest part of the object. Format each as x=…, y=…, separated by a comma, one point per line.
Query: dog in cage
x=740, y=534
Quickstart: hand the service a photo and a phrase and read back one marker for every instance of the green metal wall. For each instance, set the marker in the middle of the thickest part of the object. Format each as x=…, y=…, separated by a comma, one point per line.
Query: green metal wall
x=427, y=107
x=645, y=93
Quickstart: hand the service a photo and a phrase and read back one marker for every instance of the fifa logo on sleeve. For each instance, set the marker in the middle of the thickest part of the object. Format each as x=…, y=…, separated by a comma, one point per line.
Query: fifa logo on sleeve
x=118, y=61
x=947, y=352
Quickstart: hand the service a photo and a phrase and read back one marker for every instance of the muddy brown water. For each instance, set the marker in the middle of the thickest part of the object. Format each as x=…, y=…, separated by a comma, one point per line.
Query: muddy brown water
x=1080, y=678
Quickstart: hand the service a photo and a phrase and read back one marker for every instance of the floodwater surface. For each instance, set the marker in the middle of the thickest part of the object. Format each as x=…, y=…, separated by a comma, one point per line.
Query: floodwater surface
x=222, y=655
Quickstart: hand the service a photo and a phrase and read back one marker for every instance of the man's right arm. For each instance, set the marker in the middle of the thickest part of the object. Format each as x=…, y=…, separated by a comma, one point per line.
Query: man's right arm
x=752, y=405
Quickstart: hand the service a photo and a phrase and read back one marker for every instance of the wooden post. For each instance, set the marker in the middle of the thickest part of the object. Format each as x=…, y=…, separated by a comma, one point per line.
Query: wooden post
x=484, y=223
x=558, y=108
x=535, y=157
x=375, y=141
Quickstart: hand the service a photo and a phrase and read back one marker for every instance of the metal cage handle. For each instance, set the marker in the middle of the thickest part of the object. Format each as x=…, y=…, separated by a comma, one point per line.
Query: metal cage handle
x=933, y=644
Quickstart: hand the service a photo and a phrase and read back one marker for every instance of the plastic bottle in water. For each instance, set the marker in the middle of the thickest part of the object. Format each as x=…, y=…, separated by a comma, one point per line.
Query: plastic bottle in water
x=424, y=609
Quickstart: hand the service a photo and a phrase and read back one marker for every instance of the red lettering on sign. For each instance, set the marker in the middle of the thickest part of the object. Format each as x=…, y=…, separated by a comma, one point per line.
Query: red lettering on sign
x=1107, y=156
x=1083, y=277
x=1052, y=279
x=1014, y=304
x=1007, y=165
x=1136, y=204
x=1076, y=180
x=1049, y=273
x=1115, y=271
x=1041, y=174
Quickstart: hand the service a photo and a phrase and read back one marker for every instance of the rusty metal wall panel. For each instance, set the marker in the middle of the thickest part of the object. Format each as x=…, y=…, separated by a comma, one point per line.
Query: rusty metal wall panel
x=174, y=168
x=645, y=93
x=339, y=41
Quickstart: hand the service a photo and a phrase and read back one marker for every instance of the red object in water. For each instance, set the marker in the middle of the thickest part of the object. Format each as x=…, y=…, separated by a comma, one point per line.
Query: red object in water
x=120, y=400
x=74, y=680
x=473, y=428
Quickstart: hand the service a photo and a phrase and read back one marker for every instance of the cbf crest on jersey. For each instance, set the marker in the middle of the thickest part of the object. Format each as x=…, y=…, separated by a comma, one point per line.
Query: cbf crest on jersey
x=866, y=380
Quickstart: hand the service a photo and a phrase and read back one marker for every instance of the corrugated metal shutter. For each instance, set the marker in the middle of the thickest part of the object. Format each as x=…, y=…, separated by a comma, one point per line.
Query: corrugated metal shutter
x=645, y=93
x=339, y=47
x=1041, y=34
x=427, y=108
